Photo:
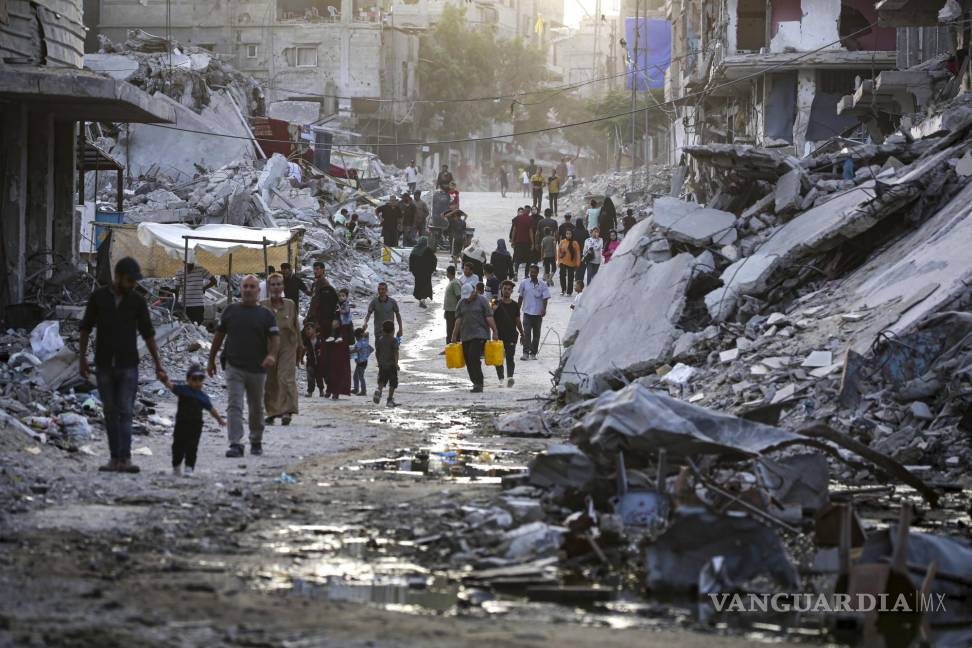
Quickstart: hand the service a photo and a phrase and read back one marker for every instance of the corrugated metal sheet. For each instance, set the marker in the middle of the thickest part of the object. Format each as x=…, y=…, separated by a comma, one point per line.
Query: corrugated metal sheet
x=20, y=39
x=51, y=26
x=63, y=38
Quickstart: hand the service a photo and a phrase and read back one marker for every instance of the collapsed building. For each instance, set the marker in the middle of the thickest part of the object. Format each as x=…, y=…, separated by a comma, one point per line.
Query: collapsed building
x=338, y=55
x=816, y=52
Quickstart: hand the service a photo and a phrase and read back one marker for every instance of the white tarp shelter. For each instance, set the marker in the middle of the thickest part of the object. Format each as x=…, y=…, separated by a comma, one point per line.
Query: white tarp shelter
x=161, y=248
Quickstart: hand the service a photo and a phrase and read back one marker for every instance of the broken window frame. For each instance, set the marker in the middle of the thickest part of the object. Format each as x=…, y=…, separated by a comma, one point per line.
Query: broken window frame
x=252, y=47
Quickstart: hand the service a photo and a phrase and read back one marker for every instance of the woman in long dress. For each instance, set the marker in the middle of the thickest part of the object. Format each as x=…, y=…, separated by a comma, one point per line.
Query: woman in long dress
x=280, y=394
x=421, y=263
x=334, y=365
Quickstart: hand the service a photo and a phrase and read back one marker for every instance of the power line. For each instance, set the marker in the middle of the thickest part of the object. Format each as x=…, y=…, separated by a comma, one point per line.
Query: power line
x=585, y=122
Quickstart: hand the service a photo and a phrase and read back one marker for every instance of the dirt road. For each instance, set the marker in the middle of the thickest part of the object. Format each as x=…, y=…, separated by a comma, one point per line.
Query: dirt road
x=284, y=549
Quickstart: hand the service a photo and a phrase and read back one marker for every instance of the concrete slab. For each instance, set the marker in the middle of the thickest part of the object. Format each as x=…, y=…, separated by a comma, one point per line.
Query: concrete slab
x=920, y=274
x=639, y=302
x=118, y=66
x=299, y=112
x=787, y=194
x=177, y=152
x=815, y=230
x=691, y=223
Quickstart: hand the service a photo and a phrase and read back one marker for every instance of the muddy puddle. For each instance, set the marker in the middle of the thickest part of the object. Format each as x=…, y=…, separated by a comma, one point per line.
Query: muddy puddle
x=447, y=461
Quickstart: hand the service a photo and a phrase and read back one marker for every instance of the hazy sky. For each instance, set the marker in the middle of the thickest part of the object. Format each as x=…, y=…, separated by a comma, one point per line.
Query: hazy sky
x=574, y=9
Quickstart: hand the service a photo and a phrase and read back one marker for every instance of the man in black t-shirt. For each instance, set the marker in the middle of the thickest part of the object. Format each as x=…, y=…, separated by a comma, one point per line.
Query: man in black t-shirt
x=252, y=342
x=390, y=216
x=506, y=314
x=119, y=315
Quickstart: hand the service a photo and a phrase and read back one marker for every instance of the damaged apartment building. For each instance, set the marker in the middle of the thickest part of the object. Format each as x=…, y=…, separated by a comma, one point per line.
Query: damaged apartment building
x=44, y=94
x=341, y=54
x=774, y=72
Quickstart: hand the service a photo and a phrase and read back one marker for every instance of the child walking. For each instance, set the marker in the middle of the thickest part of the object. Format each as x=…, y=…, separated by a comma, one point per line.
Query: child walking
x=188, y=428
x=310, y=352
x=386, y=351
x=548, y=252
x=361, y=351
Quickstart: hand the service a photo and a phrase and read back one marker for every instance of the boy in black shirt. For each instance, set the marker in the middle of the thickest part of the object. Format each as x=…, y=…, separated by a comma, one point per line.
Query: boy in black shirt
x=188, y=427
x=508, y=325
x=386, y=352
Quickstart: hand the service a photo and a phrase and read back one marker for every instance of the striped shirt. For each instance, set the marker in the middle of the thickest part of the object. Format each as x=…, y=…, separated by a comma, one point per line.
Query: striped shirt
x=196, y=282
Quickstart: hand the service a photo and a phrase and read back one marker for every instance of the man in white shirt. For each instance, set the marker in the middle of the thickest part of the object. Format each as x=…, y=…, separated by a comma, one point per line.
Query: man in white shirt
x=534, y=295
x=411, y=176
x=263, y=282
x=192, y=282
x=468, y=276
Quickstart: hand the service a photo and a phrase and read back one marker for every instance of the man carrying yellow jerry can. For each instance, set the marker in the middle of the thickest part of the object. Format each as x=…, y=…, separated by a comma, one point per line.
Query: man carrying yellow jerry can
x=475, y=329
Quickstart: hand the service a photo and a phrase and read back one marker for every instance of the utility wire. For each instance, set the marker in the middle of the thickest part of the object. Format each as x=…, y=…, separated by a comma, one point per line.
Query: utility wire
x=659, y=106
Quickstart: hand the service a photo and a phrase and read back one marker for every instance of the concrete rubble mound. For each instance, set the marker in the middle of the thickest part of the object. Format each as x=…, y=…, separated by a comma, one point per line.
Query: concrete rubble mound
x=714, y=390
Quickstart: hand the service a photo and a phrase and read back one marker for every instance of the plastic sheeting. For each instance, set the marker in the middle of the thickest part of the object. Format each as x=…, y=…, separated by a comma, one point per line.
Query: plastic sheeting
x=159, y=248
x=640, y=421
x=654, y=52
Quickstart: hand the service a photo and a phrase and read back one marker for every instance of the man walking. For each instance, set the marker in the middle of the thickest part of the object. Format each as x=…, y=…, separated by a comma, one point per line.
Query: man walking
x=293, y=284
x=450, y=302
x=553, y=191
x=118, y=313
x=534, y=295
x=504, y=180
x=411, y=176
x=408, y=220
x=196, y=281
x=421, y=218
x=566, y=225
x=522, y=239
x=507, y=317
x=474, y=324
x=444, y=179
x=390, y=217
x=537, y=181
x=384, y=308
x=252, y=343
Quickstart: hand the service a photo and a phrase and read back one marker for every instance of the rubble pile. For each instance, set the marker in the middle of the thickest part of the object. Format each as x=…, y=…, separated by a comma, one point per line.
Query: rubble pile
x=831, y=288
x=655, y=494
x=43, y=395
x=187, y=75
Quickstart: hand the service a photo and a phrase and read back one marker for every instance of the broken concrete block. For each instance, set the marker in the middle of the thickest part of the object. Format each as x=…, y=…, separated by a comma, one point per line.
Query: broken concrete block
x=963, y=168
x=920, y=411
x=680, y=374
x=783, y=394
x=730, y=252
x=685, y=344
x=690, y=223
x=744, y=343
x=788, y=191
x=728, y=355
x=818, y=359
x=726, y=238
x=776, y=318
x=705, y=262
x=811, y=232
x=823, y=372
x=642, y=332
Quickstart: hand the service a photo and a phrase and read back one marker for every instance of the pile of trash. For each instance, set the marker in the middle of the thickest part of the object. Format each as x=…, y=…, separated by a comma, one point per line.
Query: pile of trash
x=43, y=395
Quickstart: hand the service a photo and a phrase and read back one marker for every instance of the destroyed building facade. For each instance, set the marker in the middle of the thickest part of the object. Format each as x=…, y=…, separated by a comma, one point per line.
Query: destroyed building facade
x=341, y=55
x=817, y=51
x=44, y=93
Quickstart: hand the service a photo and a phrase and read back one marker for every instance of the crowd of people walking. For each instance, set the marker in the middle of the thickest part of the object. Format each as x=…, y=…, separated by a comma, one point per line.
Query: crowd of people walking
x=261, y=340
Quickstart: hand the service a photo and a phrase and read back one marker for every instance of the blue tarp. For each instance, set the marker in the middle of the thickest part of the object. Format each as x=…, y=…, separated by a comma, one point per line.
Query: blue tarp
x=654, y=51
